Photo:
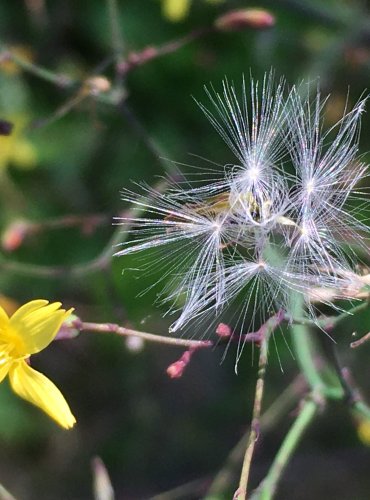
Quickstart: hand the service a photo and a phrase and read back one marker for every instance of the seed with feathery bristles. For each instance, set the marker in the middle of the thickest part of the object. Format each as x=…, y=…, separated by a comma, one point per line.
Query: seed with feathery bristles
x=274, y=222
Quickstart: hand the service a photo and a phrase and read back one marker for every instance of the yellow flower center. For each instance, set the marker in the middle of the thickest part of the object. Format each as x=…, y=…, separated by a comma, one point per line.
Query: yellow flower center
x=12, y=347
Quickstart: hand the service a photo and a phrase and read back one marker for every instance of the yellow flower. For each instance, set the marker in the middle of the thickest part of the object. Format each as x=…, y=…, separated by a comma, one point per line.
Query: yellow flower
x=29, y=330
x=363, y=431
x=16, y=147
x=177, y=10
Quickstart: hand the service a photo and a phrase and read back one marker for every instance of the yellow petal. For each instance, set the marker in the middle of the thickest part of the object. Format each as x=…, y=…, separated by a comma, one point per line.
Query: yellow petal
x=4, y=368
x=29, y=307
x=175, y=10
x=34, y=387
x=36, y=324
x=5, y=336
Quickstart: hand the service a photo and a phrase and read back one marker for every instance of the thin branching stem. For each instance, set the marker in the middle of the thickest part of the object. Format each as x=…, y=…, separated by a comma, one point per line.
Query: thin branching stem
x=269, y=420
x=265, y=332
x=116, y=34
x=128, y=332
x=135, y=59
x=307, y=413
x=57, y=79
x=100, y=263
x=255, y=425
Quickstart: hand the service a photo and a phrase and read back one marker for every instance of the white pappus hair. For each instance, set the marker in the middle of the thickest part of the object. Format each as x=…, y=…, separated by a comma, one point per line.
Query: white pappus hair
x=279, y=219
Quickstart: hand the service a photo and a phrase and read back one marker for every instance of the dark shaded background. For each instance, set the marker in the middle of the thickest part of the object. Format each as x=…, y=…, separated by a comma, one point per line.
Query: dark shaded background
x=154, y=433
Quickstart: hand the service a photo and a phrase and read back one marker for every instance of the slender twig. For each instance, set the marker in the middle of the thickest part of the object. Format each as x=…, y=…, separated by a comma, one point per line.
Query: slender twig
x=269, y=419
x=117, y=39
x=19, y=230
x=123, y=66
x=59, y=80
x=135, y=59
x=327, y=323
x=60, y=112
x=265, y=332
x=255, y=426
x=72, y=220
x=128, y=332
x=330, y=322
x=192, y=345
x=118, y=44
x=360, y=341
x=267, y=488
x=100, y=263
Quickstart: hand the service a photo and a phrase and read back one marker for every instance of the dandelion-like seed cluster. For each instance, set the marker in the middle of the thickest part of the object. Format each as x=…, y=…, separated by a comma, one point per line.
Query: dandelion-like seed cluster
x=275, y=224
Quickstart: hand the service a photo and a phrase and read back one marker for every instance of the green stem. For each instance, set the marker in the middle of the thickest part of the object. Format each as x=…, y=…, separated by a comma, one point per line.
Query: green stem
x=326, y=322
x=304, y=351
x=362, y=409
x=269, y=485
x=112, y=98
x=308, y=355
x=62, y=81
x=117, y=39
x=330, y=322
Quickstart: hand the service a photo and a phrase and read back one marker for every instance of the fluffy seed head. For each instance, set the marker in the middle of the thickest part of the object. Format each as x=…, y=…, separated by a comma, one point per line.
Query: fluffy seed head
x=276, y=222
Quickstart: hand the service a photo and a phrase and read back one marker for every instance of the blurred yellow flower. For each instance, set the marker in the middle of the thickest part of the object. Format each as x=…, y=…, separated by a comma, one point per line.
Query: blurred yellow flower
x=363, y=431
x=29, y=330
x=15, y=147
x=177, y=10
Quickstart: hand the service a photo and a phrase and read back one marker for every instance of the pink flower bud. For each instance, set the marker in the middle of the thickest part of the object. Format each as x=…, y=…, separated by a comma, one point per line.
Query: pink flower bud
x=223, y=330
x=13, y=237
x=176, y=369
x=238, y=20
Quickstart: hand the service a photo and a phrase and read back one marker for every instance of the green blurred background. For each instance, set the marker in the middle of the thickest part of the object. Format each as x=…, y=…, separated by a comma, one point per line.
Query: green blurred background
x=152, y=433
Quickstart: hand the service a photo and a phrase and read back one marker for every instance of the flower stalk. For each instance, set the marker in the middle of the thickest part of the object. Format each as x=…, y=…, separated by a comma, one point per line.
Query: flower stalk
x=307, y=413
